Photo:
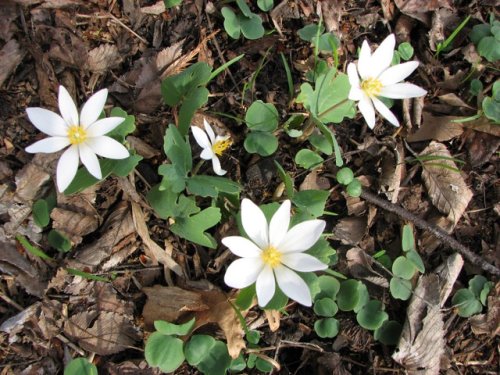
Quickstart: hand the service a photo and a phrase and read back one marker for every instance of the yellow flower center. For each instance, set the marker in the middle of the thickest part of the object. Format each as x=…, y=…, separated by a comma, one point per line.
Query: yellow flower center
x=77, y=135
x=221, y=145
x=372, y=87
x=271, y=256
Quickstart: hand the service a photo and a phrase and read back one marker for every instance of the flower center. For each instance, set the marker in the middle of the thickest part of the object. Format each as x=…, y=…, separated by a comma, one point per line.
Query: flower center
x=372, y=87
x=221, y=145
x=77, y=135
x=271, y=256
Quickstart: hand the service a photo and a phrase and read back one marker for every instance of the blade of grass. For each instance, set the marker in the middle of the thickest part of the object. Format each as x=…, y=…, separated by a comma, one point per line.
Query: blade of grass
x=221, y=68
x=32, y=249
x=288, y=75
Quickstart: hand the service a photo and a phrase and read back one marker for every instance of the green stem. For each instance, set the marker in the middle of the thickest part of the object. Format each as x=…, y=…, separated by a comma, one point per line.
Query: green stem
x=197, y=167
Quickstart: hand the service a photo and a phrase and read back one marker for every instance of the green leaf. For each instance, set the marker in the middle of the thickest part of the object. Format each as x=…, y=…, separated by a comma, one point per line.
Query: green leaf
x=466, y=303
x=173, y=178
x=253, y=337
x=326, y=328
x=349, y=295
x=415, y=258
x=491, y=109
x=403, y=268
x=41, y=213
x=321, y=143
x=238, y=364
x=164, y=352
x=194, y=100
x=171, y=3
x=278, y=302
x=345, y=176
x=328, y=42
x=476, y=87
x=32, y=249
x=125, y=128
x=310, y=32
x=307, y=159
x=323, y=251
x=389, y=332
x=262, y=365
x=262, y=116
x=354, y=188
x=193, y=227
x=245, y=297
x=231, y=23
x=265, y=5
x=172, y=329
x=80, y=366
x=59, y=241
x=400, y=288
x=476, y=285
x=407, y=241
x=405, y=50
x=325, y=307
x=261, y=143
x=287, y=180
x=217, y=360
x=479, y=32
x=371, y=316
x=197, y=348
x=312, y=201
x=483, y=296
x=88, y=276
x=251, y=27
x=244, y=8
x=489, y=48
x=329, y=287
x=211, y=186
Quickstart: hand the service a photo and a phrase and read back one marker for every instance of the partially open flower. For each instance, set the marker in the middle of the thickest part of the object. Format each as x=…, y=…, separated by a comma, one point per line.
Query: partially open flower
x=378, y=79
x=213, y=146
x=83, y=133
x=273, y=251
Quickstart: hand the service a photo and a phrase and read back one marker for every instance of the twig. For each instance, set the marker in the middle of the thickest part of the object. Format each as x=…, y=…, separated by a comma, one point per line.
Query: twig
x=439, y=233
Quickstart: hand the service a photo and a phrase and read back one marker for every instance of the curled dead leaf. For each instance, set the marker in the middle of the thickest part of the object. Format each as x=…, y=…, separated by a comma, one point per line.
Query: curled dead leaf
x=103, y=58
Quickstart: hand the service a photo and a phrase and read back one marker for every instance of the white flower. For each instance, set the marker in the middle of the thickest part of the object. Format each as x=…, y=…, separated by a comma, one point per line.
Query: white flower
x=213, y=146
x=84, y=134
x=273, y=251
x=378, y=78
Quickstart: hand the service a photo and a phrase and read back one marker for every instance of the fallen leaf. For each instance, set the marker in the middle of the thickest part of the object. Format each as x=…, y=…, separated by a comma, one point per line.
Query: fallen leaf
x=489, y=323
x=480, y=147
x=155, y=9
x=350, y=230
x=485, y=125
x=445, y=185
x=419, y=9
x=11, y=56
x=363, y=266
x=453, y=100
x=331, y=11
x=273, y=319
x=392, y=165
x=428, y=241
x=103, y=58
x=30, y=181
x=438, y=128
x=8, y=13
x=315, y=182
x=74, y=225
x=142, y=148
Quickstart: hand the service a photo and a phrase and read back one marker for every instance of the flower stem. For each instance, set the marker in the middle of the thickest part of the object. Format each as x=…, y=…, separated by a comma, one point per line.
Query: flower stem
x=197, y=167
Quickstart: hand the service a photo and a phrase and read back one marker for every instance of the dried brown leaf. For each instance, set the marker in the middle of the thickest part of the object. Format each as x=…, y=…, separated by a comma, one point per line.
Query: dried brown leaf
x=11, y=56
x=438, y=128
x=30, y=181
x=419, y=8
x=480, y=147
x=155, y=9
x=483, y=124
x=392, y=165
x=489, y=323
x=315, y=182
x=453, y=100
x=445, y=185
x=332, y=11
x=142, y=148
x=350, y=230
x=273, y=319
x=73, y=224
x=429, y=242
x=363, y=266
x=103, y=58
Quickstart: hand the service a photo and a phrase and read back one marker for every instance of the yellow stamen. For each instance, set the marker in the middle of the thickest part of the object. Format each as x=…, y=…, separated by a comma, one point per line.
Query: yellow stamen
x=271, y=256
x=221, y=145
x=372, y=87
x=77, y=135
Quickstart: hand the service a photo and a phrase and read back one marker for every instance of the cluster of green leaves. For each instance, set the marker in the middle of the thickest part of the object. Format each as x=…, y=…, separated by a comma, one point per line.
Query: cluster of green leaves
x=80, y=366
x=169, y=201
x=262, y=120
x=345, y=176
x=251, y=360
x=244, y=22
x=470, y=301
x=404, y=52
x=491, y=104
x=316, y=35
x=486, y=37
x=405, y=266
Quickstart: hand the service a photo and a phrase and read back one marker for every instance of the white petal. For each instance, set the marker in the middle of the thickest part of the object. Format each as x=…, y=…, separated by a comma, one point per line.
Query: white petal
x=385, y=112
x=302, y=236
x=92, y=108
x=209, y=131
x=355, y=93
x=104, y=126
x=216, y=166
x=67, y=168
x=352, y=74
x=107, y=147
x=382, y=57
x=48, y=122
x=365, y=106
x=201, y=137
x=243, y=272
x=364, y=67
x=293, y=285
x=48, y=145
x=67, y=107
x=207, y=154
x=278, y=227
x=242, y=247
x=302, y=262
x=265, y=286
x=397, y=73
x=254, y=223
x=90, y=161
x=402, y=90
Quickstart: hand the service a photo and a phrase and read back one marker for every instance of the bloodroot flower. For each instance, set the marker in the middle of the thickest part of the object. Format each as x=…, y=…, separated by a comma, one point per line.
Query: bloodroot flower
x=213, y=146
x=83, y=133
x=378, y=79
x=273, y=253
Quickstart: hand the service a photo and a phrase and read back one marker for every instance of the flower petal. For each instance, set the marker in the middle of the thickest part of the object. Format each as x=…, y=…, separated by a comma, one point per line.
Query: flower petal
x=352, y=74
x=92, y=108
x=265, y=286
x=293, y=285
x=209, y=131
x=48, y=122
x=216, y=166
x=104, y=126
x=355, y=94
x=207, y=154
x=201, y=137
x=242, y=246
x=402, y=90
x=382, y=57
x=365, y=106
x=302, y=236
x=385, y=112
x=397, y=73
x=302, y=262
x=254, y=223
x=48, y=145
x=107, y=147
x=90, y=161
x=364, y=67
x=243, y=272
x=278, y=227
x=67, y=167
x=67, y=107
